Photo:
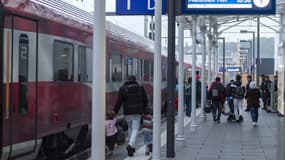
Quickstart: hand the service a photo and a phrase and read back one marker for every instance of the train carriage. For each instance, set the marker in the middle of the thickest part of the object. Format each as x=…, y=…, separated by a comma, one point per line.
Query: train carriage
x=46, y=75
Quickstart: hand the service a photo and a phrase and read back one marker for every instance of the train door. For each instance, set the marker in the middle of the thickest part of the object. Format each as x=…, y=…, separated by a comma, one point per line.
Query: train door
x=1, y=75
x=21, y=86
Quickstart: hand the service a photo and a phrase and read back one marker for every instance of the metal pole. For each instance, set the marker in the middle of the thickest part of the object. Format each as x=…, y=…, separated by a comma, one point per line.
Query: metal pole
x=258, y=52
x=210, y=37
x=157, y=83
x=215, y=61
x=281, y=123
x=253, y=50
x=145, y=26
x=210, y=64
x=170, y=146
x=250, y=57
x=203, y=87
x=180, y=135
x=193, y=105
x=152, y=28
x=224, y=60
x=99, y=79
x=215, y=50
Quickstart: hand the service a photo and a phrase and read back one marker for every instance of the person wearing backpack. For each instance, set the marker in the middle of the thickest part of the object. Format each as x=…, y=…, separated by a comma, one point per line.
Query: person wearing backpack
x=230, y=91
x=187, y=94
x=217, y=96
x=238, y=98
x=134, y=100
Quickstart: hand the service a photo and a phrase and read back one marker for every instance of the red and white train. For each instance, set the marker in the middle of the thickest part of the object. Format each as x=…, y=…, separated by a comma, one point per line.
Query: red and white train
x=46, y=70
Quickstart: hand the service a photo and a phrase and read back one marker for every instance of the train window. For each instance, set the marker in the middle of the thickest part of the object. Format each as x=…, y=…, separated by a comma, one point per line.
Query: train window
x=147, y=68
x=164, y=72
x=151, y=71
x=23, y=73
x=136, y=68
x=132, y=67
x=129, y=66
x=116, y=68
x=82, y=64
x=107, y=68
x=63, y=61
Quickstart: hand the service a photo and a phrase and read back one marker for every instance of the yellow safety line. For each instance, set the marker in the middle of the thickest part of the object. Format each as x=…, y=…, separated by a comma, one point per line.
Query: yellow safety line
x=8, y=45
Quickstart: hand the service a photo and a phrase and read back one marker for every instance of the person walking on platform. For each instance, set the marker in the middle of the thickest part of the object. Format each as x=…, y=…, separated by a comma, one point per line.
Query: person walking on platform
x=198, y=89
x=252, y=95
x=249, y=80
x=134, y=100
x=111, y=131
x=230, y=90
x=217, y=96
x=267, y=93
x=187, y=94
x=147, y=130
x=238, y=98
x=263, y=88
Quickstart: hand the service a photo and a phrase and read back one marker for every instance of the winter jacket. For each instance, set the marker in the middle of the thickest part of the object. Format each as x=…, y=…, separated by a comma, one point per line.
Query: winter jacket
x=239, y=84
x=133, y=97
x=147, y=123
x=221, y=91
x=252, y=96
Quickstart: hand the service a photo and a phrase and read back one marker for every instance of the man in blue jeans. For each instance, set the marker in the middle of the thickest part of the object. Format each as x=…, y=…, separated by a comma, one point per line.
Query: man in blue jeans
x=217, y=96
x=134, y=100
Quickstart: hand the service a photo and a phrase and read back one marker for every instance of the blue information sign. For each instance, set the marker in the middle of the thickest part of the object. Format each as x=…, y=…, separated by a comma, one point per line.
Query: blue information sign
x=228, y=6
x=233, y=69
x=137, y=7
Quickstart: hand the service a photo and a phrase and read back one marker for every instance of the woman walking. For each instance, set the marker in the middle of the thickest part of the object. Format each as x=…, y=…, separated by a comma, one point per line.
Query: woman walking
x=252, y=96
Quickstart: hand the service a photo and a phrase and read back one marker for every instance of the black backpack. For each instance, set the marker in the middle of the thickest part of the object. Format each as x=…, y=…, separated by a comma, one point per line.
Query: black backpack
x=133, y=99
x=216, y=92
x=239, y=92
x=187, y=89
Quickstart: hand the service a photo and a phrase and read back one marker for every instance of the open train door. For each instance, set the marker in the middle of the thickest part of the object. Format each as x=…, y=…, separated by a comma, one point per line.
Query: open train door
x=20, y=121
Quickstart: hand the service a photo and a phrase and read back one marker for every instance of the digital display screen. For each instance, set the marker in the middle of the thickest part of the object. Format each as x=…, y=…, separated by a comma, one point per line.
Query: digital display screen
x=229, y=6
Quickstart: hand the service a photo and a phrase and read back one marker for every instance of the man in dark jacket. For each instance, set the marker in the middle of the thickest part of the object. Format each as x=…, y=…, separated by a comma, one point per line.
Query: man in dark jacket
x=249, y=79
x=217, y=96
x=238, y=98
x=265, y=87
x=134, y=100
x=230, y=91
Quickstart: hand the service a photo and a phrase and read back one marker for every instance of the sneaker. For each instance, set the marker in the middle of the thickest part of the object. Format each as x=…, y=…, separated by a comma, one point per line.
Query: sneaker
x=254, y=124
x=147, y=153
x=218, y=121
x=130, y=150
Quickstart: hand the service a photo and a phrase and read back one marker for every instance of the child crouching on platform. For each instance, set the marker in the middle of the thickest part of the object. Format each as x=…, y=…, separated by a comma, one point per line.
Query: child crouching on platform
x=147, y=130
x=111, y=131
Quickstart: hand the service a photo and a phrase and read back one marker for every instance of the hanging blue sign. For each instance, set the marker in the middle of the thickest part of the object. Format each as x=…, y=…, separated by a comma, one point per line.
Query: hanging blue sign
x=233, y=69
x=228, y=7
x=137, y=7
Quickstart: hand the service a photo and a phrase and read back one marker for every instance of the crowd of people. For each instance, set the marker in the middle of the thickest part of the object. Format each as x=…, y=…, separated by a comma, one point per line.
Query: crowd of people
x=133, y=98
x=233, y=94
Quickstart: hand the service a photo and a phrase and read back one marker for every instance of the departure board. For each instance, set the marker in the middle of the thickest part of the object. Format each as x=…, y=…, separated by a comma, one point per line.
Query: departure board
x=228, y=6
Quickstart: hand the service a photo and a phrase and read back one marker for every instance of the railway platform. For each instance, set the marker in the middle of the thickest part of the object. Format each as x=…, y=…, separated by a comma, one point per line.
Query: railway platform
x=223, y=141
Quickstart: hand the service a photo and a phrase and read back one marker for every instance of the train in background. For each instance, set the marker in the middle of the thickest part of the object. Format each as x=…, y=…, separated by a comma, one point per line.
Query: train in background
x=46, y=76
